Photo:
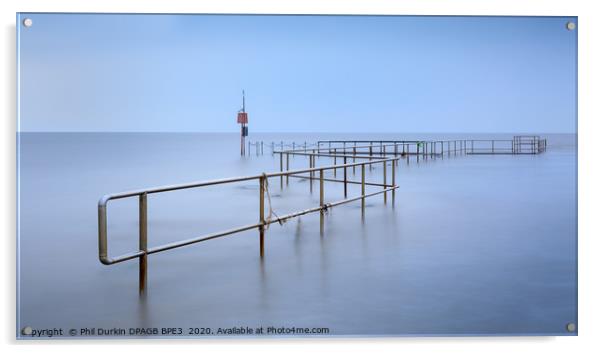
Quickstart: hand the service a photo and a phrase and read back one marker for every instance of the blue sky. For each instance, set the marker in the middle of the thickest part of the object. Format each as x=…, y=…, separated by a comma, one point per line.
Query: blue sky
x=100, y=72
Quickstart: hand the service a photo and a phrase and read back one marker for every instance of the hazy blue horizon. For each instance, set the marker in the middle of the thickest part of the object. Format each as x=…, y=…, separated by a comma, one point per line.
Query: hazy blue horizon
x=185, y=73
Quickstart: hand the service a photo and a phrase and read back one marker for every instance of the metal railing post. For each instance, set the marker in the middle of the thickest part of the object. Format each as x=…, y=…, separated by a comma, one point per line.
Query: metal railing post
x=262, y=180
x=393, y=185
x=385, y=181
x=142, y=241
x=311, y=174
x=370, y=155
x=335, y=162
x=281, y=177
x=287, y=169
x=354, y=152
x=345, y=177
x=321, y=201
x=363, y=187
x=417, y=152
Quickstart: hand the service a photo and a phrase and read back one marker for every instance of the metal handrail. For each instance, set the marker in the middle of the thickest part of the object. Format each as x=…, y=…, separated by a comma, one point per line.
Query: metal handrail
x=143, y=251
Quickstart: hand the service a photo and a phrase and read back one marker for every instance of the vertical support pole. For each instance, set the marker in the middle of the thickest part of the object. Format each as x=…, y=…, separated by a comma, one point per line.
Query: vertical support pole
x=142, y=242
x=533, y=145
x=448, y=148
x=313, y=165
x=287, y=164
x=370, y=155
x=363, y=188
x=471, y=146
x=281, y=181
x=418, y=152
x=335, y=162
x=321, y=201
x=311, y=174
x=492, y=148
x=395, y=152
x=313, y=160
x=345, y=177
x=261, y=213
x=249, y=148
x=385, y=181
x=354, y=152
x=262, y=148
x=393, y=184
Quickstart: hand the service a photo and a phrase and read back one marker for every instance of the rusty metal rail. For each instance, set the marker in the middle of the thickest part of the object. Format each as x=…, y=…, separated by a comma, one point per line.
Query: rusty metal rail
x=142, y=195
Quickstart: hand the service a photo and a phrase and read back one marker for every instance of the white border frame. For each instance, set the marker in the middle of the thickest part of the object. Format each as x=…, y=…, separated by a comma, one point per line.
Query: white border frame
x=590, y=234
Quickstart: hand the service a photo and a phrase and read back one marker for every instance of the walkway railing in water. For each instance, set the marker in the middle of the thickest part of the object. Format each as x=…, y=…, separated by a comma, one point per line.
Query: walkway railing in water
x=518, y=145
x=142, y=195
x=522, y=144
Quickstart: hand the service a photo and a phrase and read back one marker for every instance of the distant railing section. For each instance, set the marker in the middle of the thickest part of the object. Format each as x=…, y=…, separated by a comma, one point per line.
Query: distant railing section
x=518, y=145
x=523, y=144
x=259, y=146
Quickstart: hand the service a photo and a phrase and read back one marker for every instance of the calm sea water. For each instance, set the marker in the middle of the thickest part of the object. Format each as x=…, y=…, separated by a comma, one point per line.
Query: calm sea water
x=473, y=245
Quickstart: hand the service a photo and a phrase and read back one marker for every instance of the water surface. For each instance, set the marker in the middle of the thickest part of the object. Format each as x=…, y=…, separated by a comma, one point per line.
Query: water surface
x=474, y=245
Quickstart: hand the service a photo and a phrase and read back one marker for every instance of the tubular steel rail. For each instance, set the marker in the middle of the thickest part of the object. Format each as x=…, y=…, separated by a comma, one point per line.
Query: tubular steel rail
x=143, y=250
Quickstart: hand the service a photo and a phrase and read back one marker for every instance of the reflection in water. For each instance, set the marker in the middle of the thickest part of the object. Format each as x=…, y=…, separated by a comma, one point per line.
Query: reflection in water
x=144, y=311
x=298, y=244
